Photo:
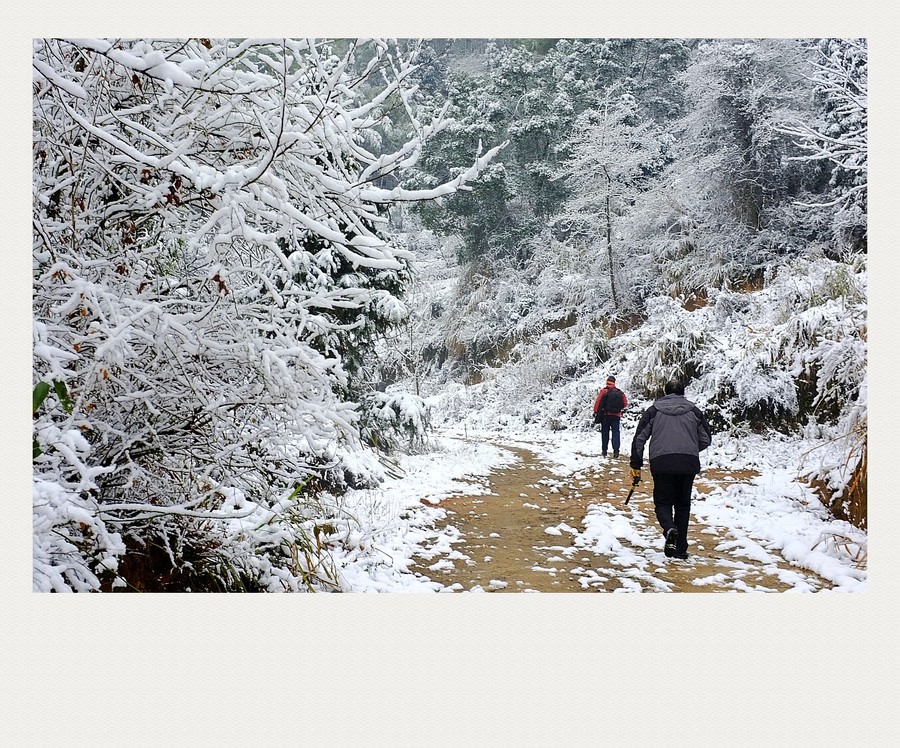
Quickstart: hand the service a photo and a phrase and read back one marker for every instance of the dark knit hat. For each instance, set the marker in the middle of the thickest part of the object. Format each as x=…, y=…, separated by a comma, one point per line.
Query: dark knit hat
x=611, y=378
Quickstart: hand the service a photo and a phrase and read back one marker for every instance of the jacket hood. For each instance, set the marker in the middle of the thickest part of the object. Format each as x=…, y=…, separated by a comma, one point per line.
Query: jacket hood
x=673, y=405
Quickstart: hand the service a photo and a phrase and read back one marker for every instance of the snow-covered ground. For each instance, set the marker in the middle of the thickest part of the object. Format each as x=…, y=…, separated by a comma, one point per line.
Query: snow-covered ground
x=772, y=513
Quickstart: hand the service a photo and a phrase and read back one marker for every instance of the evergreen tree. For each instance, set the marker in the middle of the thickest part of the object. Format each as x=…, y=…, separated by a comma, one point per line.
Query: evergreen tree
x=531, y=96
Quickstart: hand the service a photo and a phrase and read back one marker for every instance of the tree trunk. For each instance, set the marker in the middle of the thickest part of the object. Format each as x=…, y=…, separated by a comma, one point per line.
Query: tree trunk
x=609, y=249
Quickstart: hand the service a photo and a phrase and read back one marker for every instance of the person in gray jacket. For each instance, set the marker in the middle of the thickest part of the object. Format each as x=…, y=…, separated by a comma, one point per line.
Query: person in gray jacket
x=678, y=432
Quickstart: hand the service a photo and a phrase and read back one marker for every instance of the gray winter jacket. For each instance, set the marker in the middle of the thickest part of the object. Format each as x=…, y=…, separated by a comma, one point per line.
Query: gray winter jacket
x=680, y=432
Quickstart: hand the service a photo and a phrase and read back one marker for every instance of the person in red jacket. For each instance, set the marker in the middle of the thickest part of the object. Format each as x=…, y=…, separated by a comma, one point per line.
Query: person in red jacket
x=608, y=407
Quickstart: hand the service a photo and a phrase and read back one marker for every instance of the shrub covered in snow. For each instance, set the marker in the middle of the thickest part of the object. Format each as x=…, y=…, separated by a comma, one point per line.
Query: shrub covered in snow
x=402, y=420
x=768, y=358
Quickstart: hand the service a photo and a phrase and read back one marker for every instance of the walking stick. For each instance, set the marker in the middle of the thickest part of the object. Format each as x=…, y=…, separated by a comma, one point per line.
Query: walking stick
x=633, y=486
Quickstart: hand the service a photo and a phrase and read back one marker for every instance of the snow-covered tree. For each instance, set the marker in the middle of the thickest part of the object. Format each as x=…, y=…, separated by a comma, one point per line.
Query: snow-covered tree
x=613, y=153
x=646, y=68
x=838, y=136
x=531, y=95
x=209, y=270
x=732, y=176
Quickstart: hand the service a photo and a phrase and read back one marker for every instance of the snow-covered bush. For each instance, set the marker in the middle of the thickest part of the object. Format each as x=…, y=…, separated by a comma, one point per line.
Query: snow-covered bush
x=209, y=271
x=73, y=547
x=667, y=346
x=765, y=359
x=402, y=419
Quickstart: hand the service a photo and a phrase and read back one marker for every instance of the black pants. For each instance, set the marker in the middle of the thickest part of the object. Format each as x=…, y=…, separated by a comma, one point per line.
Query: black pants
x=672, y=495
x=609, y=424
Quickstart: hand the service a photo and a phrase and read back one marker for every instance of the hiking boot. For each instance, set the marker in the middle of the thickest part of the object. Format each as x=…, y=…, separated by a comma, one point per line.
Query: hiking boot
x=604, y=454
x=671, y=542
x=615, y=454
x=682, y=556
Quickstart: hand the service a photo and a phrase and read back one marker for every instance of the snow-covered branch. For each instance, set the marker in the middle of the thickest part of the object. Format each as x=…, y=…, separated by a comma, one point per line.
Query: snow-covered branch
x=841, y=137
x=209, y=274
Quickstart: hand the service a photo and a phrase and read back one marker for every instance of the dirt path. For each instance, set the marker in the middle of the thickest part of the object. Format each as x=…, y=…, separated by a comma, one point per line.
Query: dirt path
x=532, y=534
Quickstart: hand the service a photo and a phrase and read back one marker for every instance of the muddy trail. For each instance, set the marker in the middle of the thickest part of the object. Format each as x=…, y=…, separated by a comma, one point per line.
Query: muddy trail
x=530, y=535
